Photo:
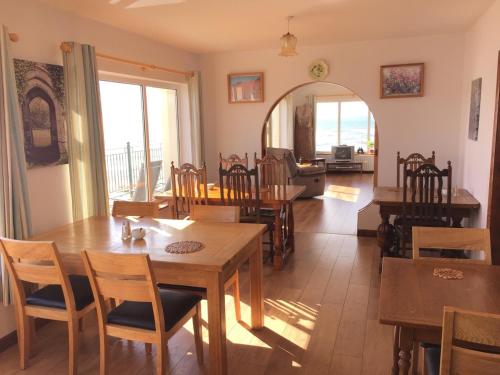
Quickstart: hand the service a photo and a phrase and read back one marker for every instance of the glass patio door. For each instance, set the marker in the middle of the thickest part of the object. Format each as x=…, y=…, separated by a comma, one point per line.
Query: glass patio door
x=141, y=138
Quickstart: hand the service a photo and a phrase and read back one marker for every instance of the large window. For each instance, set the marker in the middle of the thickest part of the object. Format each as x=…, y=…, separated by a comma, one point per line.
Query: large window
x=343, y=122
x=141, y=138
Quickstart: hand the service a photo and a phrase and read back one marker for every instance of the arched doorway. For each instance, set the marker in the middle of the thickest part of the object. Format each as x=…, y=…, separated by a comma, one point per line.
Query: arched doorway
x=313, y=119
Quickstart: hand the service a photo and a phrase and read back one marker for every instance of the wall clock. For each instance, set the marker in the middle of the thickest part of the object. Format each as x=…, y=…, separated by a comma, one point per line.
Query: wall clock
x=318, y=70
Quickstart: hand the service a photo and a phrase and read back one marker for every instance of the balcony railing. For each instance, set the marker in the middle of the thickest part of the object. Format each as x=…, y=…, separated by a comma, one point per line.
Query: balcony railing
x=123, y=167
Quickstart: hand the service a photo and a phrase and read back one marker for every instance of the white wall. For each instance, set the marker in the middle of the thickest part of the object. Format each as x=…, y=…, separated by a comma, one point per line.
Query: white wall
x=411, y=124
x=482, y=44
x=41, y=30
x=318, y=89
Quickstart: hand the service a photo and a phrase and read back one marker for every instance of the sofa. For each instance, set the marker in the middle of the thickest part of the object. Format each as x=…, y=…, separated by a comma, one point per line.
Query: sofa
x=311, y=176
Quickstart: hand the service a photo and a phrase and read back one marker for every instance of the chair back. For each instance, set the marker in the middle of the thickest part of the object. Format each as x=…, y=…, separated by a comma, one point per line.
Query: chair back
x=239, y=186
x=140, y=188
x=140, y=209
x=412, y=162
x=216, y=214
x=289, y=157
x=452, y=240
x=273, y=174
x=233, y=159
x=470, y=342
x=189, y=188
x=125, y=277
x=35, y=262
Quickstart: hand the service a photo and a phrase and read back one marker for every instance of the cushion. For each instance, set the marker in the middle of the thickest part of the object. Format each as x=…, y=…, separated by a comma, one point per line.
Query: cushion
x=432, y=359
x=52, y=295
x=140, y=314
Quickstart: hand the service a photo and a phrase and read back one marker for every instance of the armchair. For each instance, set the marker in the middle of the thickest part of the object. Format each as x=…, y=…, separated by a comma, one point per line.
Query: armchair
x=311, y=176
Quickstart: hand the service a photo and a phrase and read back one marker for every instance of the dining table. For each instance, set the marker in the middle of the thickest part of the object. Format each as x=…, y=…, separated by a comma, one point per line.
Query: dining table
x=225, y=247
x=412, y=300
x=390, y=202
x=275, y=198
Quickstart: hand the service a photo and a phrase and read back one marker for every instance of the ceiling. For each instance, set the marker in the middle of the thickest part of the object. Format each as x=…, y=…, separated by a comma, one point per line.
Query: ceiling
x=205, y=26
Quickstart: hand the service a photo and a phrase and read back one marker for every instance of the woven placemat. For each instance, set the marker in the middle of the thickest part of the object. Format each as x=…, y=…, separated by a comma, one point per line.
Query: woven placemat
x=448, y=273
x=184, y=247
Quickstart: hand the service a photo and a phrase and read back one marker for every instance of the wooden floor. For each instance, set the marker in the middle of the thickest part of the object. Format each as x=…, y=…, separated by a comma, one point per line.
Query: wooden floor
x=321, y=318
x=337, y=210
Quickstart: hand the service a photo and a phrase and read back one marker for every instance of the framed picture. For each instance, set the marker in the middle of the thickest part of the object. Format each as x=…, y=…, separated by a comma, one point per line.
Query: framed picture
x=402, y=81
x=40, y=89
x=245, y=87
x=475, y=108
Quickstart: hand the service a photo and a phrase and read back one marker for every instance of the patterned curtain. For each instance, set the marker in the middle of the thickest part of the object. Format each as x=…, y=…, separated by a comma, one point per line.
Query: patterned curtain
x=15, y=216
x=194, y=90
x=87, y=163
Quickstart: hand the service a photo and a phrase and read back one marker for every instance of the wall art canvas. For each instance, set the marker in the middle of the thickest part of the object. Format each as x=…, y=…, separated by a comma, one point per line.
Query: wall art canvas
x=245, y=87
x=402, y=81
x=475, y=108
x=40, y=89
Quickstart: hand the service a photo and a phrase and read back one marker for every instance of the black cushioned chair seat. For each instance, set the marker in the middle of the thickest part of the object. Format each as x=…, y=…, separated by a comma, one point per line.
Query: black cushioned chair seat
x=140, y=314
x=432, y=359
x=52, y=295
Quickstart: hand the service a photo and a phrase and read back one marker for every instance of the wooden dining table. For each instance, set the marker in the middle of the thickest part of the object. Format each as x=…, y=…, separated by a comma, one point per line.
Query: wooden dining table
x=226, y=246
x=390, y=202
x=273, y=198
x=412, y=299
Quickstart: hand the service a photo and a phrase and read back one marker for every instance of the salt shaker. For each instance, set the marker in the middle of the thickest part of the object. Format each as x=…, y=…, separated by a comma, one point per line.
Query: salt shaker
x=126, y=231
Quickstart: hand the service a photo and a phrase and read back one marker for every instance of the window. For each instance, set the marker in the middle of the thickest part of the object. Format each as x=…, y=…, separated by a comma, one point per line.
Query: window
x=140, y=137
x=343, y=122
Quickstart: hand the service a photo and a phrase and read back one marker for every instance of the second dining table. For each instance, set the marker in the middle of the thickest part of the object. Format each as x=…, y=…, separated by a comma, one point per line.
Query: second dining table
x=275, y=199
x=226, y=246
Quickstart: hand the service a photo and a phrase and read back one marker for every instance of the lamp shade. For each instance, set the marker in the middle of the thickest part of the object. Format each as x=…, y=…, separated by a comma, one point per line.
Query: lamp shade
x=288, y=45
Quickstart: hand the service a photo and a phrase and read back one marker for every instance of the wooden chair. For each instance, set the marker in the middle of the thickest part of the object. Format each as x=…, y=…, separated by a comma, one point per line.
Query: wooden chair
x=470, y=344
x=423, y=203
x=140, y=209
x=411, y=162
x=189, y=188
x=148, y=314
x=452, y=240
x=64, y=298
x=233, y=159
x=215, y=214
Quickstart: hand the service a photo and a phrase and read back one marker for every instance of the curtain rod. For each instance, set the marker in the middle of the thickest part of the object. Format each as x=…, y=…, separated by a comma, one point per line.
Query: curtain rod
x=66, y=48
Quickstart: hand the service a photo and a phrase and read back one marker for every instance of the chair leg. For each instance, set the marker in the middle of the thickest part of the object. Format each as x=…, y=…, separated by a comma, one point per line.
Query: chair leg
x=23, y=339
x=415, y=357
x=73, y=346
x=103, y=353
x=271, y=244
x=81, y=324
x=161, y=358
x=236, y=296
x=198, y=334
x=149, y=347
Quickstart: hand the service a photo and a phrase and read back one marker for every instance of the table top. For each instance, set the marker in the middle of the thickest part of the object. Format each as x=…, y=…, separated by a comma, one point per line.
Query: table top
x=391, y=195
x=222, y=241
x=268, y=196
x=411, y=296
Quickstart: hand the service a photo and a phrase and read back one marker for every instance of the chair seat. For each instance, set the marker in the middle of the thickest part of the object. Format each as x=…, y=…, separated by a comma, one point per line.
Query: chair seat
x=186, y=288
x=432, y=359
x=52, y=295
x=175, y=304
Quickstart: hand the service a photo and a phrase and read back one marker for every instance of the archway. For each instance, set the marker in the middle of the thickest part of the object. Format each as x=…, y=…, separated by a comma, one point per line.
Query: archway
x=319, y=137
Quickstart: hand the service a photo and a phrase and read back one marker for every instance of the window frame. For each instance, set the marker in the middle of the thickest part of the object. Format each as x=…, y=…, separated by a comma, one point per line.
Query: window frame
x=143, y=83
x=339, y=99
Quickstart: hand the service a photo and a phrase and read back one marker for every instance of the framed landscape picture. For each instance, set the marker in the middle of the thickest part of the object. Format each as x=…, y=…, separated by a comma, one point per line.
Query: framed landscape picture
x=402, y=81
x=245, y=87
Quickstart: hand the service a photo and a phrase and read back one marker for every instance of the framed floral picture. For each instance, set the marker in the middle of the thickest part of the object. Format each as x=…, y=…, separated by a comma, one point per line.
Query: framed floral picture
x=402, y=81
x=245, y=87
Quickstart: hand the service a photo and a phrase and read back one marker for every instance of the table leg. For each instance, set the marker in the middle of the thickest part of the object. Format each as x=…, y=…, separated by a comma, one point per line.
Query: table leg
x=256, y=281
x=385, y=235
x=405, y=349
x=278, y=240
x=291, y=227
x=217, y=325
x=395, y=351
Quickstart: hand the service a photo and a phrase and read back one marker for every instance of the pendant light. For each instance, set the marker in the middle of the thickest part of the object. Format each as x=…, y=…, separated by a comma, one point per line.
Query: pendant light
x=288, y=42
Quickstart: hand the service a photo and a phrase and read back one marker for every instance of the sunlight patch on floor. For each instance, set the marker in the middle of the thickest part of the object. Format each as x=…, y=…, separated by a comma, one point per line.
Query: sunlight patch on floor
x=343, y=193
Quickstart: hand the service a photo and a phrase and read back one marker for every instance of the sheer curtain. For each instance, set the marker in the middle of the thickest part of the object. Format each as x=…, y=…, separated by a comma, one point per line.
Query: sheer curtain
x=194, y=91
x=15, y=216
x=87, y=163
